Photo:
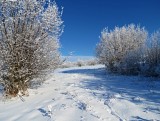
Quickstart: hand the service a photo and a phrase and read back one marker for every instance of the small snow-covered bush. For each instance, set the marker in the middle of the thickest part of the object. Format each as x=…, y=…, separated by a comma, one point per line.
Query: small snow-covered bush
x=92, y=62
x=67, y=64
x=29, y=42
x=80, y=63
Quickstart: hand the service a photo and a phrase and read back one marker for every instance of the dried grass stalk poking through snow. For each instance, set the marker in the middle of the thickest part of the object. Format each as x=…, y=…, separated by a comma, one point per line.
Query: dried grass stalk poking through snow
x=29, y=41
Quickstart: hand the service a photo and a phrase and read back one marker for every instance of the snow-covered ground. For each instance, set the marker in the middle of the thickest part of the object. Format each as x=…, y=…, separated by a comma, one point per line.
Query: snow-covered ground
x=87, y=94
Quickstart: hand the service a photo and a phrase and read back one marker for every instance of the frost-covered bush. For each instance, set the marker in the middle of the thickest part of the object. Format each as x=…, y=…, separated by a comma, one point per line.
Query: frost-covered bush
x=79, y=63
x=29, y=41
x=117, y=47
x=67, y=64
x=92, y=62
x=152, y=56
x=133, y=62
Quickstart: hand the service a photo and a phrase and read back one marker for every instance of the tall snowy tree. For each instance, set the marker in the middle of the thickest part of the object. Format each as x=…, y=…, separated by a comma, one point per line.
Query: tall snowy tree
x=29, y=41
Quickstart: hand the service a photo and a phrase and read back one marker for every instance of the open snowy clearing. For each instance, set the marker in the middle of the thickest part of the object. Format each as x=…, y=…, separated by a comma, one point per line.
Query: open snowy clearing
x=87, y=94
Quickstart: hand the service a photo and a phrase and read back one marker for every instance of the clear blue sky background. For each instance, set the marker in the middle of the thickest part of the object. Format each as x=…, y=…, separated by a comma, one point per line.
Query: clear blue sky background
x=85, y=19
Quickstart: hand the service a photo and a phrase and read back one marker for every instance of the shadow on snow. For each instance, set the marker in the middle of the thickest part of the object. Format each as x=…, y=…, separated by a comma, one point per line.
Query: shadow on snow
x=129, y=87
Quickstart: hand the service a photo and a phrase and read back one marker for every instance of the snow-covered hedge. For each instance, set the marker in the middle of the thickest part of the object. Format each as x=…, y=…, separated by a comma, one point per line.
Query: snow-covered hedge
x=127, y=50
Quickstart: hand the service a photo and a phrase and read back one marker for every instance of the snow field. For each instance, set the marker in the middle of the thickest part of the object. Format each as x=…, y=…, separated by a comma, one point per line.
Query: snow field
x=87, y=94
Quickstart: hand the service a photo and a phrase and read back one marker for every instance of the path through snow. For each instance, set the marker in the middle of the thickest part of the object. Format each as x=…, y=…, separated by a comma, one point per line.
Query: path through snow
x=87, y=94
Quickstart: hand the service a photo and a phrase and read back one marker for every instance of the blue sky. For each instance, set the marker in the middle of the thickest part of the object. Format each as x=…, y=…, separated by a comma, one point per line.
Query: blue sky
x=85, y=19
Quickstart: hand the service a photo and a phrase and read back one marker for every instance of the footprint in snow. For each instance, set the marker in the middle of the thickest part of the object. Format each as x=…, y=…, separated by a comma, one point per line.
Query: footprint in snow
x=46, y=112
x=82, y=106
x=64, y=93
x=82, y=118
x=56, y=89
x=106, y=102
x=63, y=105
x=94, y=94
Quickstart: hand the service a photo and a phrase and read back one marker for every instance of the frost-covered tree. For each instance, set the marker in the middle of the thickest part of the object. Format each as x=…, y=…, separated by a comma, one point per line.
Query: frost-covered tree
x=152, y=56
x=29, y=41
x=115, y=45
